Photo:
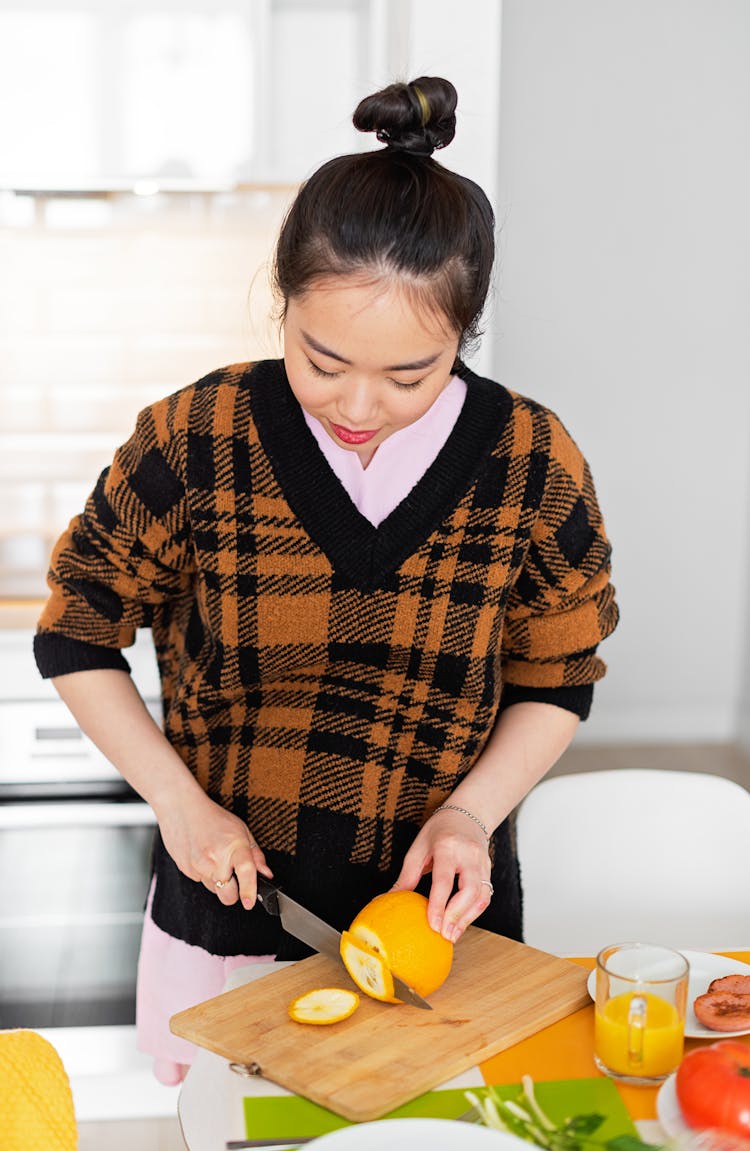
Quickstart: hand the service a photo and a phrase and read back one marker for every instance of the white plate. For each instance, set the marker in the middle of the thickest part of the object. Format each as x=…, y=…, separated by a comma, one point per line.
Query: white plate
x=668, y=1109
x=417, y=1135
x=703, y=968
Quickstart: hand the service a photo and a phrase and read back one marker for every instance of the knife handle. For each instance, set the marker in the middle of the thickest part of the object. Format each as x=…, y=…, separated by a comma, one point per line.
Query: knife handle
x=268, y=894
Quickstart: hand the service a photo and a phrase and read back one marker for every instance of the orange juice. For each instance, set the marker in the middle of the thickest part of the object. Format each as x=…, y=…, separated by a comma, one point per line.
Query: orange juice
x=651, y=1049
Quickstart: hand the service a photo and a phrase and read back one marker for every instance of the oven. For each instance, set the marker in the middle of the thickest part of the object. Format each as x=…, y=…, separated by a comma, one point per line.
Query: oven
x=75, y=844
x=75, y=876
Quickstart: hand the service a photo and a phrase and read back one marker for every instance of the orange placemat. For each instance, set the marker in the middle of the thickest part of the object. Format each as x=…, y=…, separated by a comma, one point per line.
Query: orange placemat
x=565, y=1051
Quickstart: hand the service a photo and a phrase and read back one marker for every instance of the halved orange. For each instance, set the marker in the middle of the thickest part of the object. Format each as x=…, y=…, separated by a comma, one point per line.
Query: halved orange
x=367, y=968
x=394, y=927
x=324, y=1005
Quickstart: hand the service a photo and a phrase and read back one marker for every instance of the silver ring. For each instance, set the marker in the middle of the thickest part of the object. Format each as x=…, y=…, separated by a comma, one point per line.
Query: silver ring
x=486, y=883
x=222, y=882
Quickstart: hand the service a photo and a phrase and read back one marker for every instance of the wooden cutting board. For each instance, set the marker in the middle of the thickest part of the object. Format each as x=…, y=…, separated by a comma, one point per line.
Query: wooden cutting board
x=498, y=992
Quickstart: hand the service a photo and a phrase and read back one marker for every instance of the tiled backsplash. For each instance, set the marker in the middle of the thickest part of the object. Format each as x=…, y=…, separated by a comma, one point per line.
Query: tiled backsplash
x=106, y=304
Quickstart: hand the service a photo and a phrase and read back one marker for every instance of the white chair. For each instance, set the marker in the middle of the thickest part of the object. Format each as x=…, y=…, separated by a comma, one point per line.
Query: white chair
x=656, y=856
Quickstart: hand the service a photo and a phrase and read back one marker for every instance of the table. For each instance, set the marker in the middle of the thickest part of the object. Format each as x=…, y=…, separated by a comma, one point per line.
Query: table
x=211, y=1095
x=565, y=1051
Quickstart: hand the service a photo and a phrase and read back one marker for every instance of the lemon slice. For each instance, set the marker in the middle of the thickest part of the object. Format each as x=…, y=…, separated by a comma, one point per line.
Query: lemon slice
x=367, y=968
x=324, y=1005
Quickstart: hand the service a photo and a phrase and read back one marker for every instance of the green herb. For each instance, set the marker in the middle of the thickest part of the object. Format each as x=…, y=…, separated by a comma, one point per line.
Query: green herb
x=524, y=1117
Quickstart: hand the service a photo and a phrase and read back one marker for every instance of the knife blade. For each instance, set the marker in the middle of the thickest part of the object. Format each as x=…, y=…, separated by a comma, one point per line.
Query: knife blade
x=235, y=1144
x=318, y=934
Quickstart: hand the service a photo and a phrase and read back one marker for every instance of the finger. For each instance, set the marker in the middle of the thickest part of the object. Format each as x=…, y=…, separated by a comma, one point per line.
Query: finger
x=246, y=873
x=416, y=863
x=440, y=891
x=246, y=866
x=465, y=907
x=226, y=890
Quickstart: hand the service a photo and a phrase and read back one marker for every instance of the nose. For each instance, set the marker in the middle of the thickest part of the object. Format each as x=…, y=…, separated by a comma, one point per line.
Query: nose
x=358, y=404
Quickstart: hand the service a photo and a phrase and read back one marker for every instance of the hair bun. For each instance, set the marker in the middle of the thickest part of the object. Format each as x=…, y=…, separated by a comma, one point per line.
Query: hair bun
x=417, y=117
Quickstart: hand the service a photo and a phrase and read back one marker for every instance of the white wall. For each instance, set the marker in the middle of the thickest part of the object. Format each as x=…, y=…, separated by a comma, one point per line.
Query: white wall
x=743, y=726
x=623, y=303
x=462, y=43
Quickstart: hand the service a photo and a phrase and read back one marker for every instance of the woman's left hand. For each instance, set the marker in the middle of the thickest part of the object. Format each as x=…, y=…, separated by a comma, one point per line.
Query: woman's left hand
x=452, y=851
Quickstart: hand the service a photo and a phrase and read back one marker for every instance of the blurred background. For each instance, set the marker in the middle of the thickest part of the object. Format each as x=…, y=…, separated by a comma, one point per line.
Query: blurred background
x=148, y=150
x=147, y=154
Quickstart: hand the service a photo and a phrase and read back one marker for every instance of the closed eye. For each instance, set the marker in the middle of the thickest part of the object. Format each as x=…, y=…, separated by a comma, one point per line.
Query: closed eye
x=319, y=371
x=406, y=387
x=401, y=384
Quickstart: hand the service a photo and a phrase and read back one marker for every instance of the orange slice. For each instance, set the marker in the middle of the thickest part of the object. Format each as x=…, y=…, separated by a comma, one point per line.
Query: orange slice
x=324, y=1005
x=367, y=968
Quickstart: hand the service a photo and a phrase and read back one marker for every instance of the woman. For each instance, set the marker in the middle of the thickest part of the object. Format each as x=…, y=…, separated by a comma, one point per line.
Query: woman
x=376, y=585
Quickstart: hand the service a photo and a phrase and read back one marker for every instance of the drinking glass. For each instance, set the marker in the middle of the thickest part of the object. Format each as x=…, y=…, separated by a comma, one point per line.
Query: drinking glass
x=641, y=997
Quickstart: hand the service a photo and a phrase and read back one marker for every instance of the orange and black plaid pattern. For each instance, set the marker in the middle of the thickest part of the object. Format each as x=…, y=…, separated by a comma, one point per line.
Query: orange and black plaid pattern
x=327, y=680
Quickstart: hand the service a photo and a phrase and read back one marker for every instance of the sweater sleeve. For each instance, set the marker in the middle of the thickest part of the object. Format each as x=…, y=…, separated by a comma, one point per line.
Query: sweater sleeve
x=562, y=604
x=127, y=554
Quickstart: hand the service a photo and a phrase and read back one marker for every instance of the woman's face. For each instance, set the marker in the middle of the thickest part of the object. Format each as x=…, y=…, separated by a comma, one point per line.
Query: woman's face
x=363, y=361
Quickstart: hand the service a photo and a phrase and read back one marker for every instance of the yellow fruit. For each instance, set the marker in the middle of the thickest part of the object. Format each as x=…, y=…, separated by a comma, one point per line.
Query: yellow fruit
x=395, y=926
x=367, y=968
x=324, y=1005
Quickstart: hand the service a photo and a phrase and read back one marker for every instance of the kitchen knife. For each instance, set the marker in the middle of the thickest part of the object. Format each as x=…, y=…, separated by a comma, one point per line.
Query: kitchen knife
x=302, y=924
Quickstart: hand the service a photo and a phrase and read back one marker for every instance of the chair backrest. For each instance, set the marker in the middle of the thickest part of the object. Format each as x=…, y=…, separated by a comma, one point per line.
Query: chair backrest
x=655, y=856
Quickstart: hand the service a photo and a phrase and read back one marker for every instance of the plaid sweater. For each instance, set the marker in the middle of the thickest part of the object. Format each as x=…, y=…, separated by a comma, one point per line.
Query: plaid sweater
x=328, y=681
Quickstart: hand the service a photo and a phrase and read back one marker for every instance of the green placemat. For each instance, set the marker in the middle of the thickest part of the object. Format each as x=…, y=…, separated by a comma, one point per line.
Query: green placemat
x=292, y=1117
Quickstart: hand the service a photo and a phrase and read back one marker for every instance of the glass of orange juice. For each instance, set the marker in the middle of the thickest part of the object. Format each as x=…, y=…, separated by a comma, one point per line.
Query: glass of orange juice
x=639, y=1023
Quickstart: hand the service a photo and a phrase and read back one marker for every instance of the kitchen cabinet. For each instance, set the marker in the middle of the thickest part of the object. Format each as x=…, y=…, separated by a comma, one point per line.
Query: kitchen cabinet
x=220, y=92
x=198, y=96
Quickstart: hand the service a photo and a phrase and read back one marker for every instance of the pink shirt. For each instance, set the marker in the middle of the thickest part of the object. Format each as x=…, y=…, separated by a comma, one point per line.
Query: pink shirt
x=399, y=462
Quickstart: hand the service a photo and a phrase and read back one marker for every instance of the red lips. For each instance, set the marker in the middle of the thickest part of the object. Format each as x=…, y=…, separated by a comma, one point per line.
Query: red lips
x=349, y=436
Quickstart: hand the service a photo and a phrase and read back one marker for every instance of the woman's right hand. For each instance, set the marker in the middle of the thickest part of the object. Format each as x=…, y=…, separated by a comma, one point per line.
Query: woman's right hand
x=211, y=845
x=207, y=843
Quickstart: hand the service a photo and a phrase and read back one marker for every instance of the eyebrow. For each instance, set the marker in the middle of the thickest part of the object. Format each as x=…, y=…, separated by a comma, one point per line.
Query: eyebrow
x=415, y=365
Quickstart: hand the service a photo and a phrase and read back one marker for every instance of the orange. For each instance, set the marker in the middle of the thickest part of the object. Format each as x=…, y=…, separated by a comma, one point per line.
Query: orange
x=367, y=968
x=324, y=1005
x=394, y=926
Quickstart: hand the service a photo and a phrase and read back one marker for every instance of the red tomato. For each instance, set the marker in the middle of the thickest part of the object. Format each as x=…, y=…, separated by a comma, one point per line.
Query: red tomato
x=713, y=1086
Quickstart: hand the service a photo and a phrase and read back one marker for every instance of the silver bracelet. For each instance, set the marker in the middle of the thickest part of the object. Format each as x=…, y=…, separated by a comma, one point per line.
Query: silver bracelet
x=463, y=811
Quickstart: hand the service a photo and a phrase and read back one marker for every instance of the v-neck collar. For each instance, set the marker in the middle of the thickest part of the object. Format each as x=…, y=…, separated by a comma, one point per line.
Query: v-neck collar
x=366, y=555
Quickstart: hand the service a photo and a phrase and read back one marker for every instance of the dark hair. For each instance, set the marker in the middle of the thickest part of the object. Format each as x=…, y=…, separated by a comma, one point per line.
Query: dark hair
x=395, y=212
